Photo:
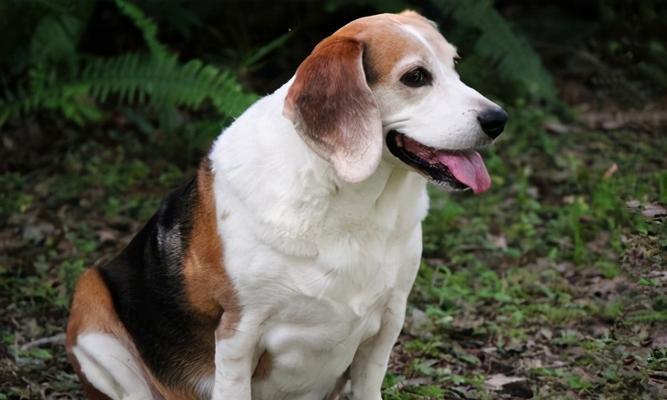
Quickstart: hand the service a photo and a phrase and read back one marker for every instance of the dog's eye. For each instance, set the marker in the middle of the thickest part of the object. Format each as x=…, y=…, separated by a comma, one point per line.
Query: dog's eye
x=416, y=77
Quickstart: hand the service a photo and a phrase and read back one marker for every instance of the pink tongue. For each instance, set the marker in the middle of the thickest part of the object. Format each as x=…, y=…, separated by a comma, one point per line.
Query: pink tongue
x=467, y=167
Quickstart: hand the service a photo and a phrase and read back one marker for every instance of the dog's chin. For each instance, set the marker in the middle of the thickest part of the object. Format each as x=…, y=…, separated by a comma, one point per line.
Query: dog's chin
x=448, y=170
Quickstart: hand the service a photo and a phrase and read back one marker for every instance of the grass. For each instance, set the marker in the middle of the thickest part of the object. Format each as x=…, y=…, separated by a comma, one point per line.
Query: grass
x=555, y=278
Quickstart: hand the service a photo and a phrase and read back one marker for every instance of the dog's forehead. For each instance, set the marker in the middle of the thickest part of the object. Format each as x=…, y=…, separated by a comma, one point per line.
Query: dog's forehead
x=391, y=39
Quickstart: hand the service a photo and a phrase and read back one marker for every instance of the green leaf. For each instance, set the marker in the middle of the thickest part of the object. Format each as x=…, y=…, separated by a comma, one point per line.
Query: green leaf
x=55, y=39
x=503, y=49
x=147, y=27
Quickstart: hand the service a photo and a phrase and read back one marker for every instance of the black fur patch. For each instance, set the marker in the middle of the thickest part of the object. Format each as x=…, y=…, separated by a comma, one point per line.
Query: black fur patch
x=147, y=288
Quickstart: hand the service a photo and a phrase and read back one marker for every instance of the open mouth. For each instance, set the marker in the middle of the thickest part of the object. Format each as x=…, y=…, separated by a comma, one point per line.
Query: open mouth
x=458, y=170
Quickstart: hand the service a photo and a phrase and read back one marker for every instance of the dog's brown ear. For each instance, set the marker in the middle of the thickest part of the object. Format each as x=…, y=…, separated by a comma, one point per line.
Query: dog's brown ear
x=333, y=108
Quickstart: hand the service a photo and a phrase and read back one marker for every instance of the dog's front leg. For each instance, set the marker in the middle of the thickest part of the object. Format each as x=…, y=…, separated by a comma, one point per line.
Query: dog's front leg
x=235, y=342
x=370, y=362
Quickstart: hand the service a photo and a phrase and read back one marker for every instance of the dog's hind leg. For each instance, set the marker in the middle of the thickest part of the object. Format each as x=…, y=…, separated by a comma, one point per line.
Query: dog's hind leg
x=110, y=368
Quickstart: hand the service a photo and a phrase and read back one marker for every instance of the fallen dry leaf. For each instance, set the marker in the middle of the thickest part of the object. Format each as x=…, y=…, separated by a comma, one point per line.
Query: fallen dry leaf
x=107, y=235
x=497, y=381
x=653, y=210
x=559, y=127
x=610, y=171
x=499, y=242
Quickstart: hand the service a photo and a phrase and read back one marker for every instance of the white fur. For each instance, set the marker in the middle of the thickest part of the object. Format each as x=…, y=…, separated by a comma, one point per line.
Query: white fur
x=319, y=265
x=110, y=367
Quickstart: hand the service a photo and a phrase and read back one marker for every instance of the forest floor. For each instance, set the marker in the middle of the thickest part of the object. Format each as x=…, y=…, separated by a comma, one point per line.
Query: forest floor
x=549, y=286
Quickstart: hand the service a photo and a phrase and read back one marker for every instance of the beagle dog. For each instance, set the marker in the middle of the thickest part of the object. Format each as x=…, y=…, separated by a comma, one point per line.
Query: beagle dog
x=282, y=270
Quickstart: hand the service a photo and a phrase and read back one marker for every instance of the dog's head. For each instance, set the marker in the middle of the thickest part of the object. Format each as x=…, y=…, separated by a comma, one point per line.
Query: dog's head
x=390, y=78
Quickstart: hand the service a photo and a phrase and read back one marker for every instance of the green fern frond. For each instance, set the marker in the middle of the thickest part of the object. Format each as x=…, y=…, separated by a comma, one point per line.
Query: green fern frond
x=514, y=59
x=70, y=99
x=156, y=77
x=55, y=39
x=133, y=78
x=147, y=27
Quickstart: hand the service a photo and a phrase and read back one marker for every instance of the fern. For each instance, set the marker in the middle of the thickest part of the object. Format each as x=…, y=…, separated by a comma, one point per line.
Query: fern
x=55, y=39
x=514, y=59
x=147, y=27
x=134, y=78
x=155, y=78
x=70, y=99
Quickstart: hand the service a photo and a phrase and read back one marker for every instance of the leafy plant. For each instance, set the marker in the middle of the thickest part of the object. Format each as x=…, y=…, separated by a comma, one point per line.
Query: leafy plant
x=155, y=77
x=498, y=48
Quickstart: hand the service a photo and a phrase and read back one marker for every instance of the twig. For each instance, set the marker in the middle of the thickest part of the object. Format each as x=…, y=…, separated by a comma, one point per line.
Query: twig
x=55, y=339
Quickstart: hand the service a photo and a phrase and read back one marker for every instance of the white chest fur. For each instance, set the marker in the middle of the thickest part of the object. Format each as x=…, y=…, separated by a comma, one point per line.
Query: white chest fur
x=313, y=261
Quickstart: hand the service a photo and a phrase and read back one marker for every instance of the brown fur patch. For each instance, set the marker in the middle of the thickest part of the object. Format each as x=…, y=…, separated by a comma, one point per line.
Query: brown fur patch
x=264, y=366
x=208, y=288
x=92, y=309
x=333, y=109
x=337, y=391
x=386, y=43
x=329, y=93
x=91, y=298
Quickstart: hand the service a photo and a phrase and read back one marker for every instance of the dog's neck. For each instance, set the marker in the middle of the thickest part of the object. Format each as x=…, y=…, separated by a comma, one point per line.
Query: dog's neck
x=291, y=193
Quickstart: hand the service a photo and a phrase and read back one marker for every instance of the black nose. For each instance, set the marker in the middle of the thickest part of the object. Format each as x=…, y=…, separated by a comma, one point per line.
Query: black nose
x=492, y=121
